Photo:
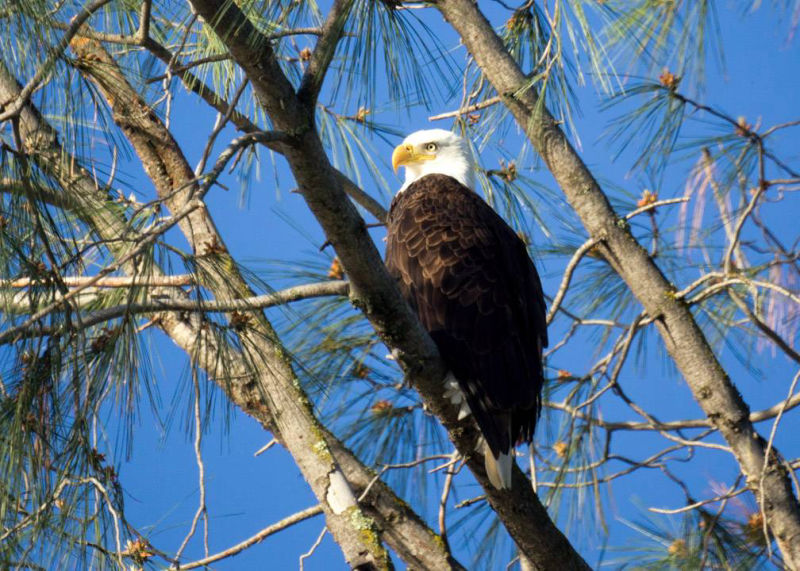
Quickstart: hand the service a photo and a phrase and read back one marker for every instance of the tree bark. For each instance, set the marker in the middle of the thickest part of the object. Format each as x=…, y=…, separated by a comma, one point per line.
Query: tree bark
x=404, y=530
x=372, y=289
x=683, y=338
x=292, y=414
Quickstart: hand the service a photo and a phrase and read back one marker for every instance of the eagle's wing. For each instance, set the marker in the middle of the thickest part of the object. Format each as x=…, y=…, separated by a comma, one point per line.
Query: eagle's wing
x=471, y=281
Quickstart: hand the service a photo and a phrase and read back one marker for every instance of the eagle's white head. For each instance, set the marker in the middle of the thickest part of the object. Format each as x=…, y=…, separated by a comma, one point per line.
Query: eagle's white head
x=435, y=151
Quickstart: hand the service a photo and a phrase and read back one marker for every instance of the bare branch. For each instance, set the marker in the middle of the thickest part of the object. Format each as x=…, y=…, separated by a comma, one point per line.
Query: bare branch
x=254, y=303
x=372, y=289
x=321, y=58
x=654, y=205
x=107, y=282
x=729, y=494
x=257, y=538
x=683, y=338
x=464, y=110
x=568, y=271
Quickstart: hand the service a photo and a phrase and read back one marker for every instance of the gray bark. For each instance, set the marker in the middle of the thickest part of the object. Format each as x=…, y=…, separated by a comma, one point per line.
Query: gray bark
x=292, y=414
x=409, y=536
x=683, y=338
x=372, y=290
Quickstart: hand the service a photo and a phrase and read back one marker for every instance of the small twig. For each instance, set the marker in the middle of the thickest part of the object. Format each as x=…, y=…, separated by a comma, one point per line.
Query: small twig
x=235, y=145
x=198, y=440
x=385, y=468
x=729, y=494
x=654, y=205
x=568, y=271
x=257, y=538
x=220, y=123
x=742, y=219
x=468, y=109
x=471, y=501
x=710, y=526
x=266, y=447
x=311, y=551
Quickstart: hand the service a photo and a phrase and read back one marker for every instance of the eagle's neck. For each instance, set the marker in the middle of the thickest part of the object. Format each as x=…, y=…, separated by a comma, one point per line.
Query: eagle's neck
x=459, y=167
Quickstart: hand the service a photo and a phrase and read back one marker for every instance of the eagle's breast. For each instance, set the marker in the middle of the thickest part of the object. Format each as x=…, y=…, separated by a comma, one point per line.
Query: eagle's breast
x=469, y=278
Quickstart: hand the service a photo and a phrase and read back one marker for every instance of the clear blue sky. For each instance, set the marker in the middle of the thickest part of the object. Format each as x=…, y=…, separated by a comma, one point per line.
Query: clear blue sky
x=761, y=81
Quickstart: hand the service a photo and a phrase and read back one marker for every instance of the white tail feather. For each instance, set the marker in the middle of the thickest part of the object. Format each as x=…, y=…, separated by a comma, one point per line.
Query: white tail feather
x=498, y=469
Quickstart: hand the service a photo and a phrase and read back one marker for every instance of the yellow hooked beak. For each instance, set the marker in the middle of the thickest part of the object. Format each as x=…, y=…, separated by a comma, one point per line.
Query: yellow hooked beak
x=406, y=154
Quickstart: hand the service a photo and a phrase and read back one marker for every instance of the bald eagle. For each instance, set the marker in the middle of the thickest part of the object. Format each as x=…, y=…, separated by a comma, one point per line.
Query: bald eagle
x=469, y=278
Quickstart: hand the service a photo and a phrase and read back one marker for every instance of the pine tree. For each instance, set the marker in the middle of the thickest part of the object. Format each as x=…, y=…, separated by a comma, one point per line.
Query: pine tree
x=124, y=123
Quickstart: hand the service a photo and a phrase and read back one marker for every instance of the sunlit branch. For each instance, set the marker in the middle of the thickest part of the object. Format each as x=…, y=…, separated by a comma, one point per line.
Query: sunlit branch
x=146, y=239
x=468, y=109
x=654, y=205
x=312, y=549
x=296, y=293
x=257, y=538
x=448, y=483
x=107, y=282
x=202, y=508
x=729, y=494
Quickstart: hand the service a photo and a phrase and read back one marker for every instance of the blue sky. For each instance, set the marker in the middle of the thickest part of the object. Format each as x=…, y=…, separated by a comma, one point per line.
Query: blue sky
x=760, y=81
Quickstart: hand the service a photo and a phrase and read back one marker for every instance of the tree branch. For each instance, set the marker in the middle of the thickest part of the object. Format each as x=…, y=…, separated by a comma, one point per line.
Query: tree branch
x=260, y=536
x=11, y=107
x=683, y=338
x=404, y=530
x=155, y=305
x=372, y=290
x=321, y=58
x=194, y=84
x=294, y=419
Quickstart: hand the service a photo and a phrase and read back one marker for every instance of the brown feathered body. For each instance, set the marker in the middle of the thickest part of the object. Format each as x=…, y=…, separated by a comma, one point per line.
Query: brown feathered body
x=469, y=278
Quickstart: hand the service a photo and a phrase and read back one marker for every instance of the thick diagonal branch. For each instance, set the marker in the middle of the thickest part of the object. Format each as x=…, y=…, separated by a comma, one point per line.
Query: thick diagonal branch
x=683, y=338
x=299, y=430
x=403, y=529
x=372, y=290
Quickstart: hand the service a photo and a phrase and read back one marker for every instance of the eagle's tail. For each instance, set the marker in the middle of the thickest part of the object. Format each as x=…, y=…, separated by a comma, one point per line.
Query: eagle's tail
x=498, y=468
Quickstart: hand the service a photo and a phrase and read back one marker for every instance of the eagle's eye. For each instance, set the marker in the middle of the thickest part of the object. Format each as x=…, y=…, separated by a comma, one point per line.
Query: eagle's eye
x=431, y=147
